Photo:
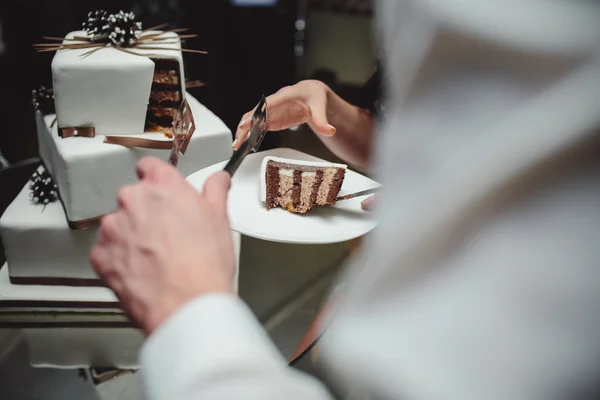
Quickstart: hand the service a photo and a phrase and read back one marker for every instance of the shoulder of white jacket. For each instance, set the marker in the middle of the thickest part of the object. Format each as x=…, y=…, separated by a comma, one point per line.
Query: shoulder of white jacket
x=560, y=27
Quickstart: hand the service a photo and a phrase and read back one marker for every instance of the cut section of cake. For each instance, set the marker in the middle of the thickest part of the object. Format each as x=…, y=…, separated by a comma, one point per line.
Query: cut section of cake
x=298, y=186
x=165, y=96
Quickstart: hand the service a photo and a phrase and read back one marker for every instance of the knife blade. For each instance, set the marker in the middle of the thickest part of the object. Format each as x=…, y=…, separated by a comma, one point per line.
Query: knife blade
x=359, y=194
x=258, y=128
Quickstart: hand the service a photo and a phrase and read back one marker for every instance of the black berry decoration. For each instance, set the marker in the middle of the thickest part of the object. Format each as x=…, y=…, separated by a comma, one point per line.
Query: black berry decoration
x=43, y=189
x=124, y=29
x=97, y=25
x=43, y=100
x=121, y=29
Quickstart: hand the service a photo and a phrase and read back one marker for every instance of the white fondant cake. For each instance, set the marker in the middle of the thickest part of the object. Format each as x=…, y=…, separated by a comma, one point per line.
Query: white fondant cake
x=89, y=344
x=110, y=88
x=89, y=172
x=59, y=251
x=263, y=170
x=71, y=348
x=119, y=94
x=32, y=298
x=61, y=254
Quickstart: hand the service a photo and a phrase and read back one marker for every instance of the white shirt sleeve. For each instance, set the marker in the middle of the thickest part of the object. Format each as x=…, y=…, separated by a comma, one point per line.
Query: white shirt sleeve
x=214, y=348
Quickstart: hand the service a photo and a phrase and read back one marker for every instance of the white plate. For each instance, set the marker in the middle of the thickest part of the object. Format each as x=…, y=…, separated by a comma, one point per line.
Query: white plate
x=249, y=216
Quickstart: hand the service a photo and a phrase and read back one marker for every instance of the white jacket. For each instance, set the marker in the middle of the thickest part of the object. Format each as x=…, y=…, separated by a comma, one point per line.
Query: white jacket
x=483, y=279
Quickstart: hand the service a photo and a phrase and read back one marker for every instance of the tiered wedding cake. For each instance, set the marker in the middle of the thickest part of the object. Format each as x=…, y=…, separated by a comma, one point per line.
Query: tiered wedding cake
x=117, y=91
x=119, y=95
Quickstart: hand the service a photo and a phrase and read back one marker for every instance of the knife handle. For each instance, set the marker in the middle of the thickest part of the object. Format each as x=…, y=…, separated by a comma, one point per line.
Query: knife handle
x=237, y=158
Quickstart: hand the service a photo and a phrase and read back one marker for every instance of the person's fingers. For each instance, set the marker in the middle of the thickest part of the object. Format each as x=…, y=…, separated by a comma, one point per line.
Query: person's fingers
x=99, y=258
x=318, y=120
x=146, y=167
x=242, y=130
x=368, y=203
x=126, y=197
x=134, y=201
x=113, y=227
x=216, y=189
x=286, y=109
x=155, y=170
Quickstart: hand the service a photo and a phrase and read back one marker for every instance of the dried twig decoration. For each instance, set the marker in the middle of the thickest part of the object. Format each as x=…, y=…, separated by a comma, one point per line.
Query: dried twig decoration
x=120, y=31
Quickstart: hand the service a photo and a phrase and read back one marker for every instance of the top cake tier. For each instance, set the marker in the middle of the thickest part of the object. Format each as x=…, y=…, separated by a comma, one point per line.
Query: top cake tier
x=119, y=91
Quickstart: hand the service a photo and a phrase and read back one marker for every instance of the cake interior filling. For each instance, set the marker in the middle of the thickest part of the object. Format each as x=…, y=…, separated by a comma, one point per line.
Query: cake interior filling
x=298, y=188
x=165, y=96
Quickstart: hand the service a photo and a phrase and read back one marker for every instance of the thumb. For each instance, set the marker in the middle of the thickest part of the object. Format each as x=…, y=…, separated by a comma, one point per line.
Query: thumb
x=318, y=121
x=216, y=189
x=368, y=203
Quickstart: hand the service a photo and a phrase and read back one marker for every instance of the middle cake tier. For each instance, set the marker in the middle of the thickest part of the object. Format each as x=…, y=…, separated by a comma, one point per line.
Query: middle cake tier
x=89, y=172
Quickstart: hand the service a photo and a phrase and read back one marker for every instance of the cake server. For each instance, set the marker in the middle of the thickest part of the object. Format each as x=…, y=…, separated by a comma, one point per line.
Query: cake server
x=183, y=129
x=258, y=128
x=359, y=194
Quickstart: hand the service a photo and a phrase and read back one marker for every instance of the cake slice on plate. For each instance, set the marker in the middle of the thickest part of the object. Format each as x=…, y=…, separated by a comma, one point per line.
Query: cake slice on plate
x=297, y=185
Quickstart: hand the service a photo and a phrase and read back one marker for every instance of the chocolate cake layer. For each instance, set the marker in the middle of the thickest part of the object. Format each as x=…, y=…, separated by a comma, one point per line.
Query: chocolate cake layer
x=336, y=186
x=158, y=112
x=169, y=76
x=165, y=96
x=298, y=188
x=153, y=127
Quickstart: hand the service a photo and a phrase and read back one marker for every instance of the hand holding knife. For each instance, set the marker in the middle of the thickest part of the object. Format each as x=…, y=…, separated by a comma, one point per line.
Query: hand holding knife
x=258, y=128
x=184, y=127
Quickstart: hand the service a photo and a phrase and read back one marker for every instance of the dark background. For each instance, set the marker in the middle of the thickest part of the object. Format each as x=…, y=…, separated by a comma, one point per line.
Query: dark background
x=251, y=51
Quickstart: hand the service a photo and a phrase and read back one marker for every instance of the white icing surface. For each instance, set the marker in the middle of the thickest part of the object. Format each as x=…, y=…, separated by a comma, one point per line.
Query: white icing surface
x=108, y=89
x=89, y=172
x=59, y=251
x=69, y=348
x=10, y=292
x=38, y=243
x=47, y=233
x=263, y=170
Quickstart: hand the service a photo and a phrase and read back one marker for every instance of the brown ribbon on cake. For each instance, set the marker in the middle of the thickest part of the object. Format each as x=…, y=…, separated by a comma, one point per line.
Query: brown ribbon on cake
x=77, y=131
x=194, y=84
x=183, y=129
x=84, y=224
x=55, y=281
x=90, y=132
x=139, y=142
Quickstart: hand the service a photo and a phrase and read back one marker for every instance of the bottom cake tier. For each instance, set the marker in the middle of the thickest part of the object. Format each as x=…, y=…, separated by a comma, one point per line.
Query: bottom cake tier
x=71, y=348
x=41, y=249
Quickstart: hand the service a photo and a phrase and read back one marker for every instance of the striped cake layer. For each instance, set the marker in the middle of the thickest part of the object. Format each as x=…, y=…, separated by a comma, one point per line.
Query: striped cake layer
x=298, y=188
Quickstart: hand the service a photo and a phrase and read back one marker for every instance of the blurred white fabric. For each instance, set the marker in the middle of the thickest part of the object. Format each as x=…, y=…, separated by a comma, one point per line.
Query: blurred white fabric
x=482, y=280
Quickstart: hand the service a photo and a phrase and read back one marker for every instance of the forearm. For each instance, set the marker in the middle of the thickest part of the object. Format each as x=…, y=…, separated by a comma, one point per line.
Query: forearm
x=214, y=348
x=355, y=128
